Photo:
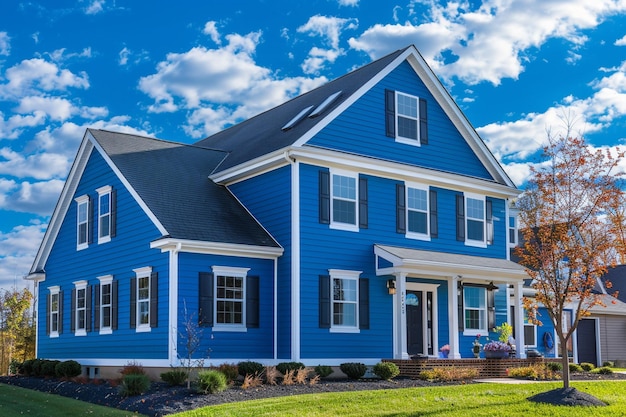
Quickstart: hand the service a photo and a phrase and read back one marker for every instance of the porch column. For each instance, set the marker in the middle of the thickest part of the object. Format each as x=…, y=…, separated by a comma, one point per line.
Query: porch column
x=453, y=317
x=519, y=320
x=399, y=310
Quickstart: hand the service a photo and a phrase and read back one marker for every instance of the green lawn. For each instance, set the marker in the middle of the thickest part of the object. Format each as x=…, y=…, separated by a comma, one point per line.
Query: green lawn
x=15, y=401
x=459, y=400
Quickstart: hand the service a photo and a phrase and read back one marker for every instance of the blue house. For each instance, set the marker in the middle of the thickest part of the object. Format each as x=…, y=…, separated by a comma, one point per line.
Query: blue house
x=363, y=220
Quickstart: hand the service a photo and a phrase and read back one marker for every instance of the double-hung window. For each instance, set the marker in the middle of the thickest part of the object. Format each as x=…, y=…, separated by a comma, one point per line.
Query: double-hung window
x=406, y=118
x=230, y=300
x=512, y=231
x=344, y=200
x=104, y=214
x=82, y=222
x=105, y=308
x=475, y=309
x=80, y=308
x=54, y=311
x=417, y=205
x=144, y=295
x=344, y=299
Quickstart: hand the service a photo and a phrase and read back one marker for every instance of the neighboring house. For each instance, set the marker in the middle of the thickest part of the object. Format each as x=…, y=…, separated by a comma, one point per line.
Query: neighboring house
x=363, y=220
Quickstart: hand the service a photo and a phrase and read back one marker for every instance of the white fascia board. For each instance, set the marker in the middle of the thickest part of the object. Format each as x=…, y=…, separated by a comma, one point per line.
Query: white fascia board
x=216, y=248
x=251, y=168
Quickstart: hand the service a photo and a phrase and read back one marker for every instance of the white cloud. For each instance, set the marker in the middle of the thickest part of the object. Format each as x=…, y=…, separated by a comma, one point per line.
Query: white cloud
x=17, y=250
x=329, y=29
x=95, y=7
x=5, y=44
x=621, y=41
x=39, y=165
x=55, y=108
x=492, y=41
x=350, y=3
x=38, y=197
x=210, y=29
x=123, y=54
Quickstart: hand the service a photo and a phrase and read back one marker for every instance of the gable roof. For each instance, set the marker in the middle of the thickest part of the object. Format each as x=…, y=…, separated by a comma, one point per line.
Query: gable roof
x=263, y=136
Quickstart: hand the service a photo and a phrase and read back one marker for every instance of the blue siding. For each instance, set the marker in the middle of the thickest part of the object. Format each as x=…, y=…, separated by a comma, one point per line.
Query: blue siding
x=128, y=250
x=360, y=129
x=255, y=343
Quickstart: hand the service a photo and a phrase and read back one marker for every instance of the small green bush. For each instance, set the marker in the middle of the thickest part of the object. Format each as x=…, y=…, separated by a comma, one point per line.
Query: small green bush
x=574, y=367
x=26, y=368
x=48, y=368
x=608, y=364
x=211, y=382
x=134, y=384
x=231, y=371
x=250, y=368
x=68, y=369
x=554, y=366
x=604, y=370
x=14, y=367
x=353, y=370
x=37, y=367
x=386, y=370
x=323, y=370
x=587, y=366
x=283, y=367
x=174, y=377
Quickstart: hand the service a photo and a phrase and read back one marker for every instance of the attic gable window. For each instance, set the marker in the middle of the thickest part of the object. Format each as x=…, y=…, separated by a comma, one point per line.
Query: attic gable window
x=83, y=229
x=406, y=118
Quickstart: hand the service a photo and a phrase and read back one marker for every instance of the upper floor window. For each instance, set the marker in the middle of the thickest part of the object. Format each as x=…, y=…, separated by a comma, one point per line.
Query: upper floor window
x=343, y=200
x=104, y=214
x=54, y=319
x=83, y=229
x=474, y=222
x=416, y=211
x=475, y=212
x=512, y=231
x=344, y=195
x=406, y=118
x=144, y=299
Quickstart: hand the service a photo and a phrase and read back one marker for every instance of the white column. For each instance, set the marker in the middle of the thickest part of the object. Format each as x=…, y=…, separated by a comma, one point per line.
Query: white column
x=400, y=323
x=453, y=314
x=519, y=320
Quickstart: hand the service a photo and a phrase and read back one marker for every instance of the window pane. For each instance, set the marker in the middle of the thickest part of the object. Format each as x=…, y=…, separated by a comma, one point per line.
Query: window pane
x=475, y=209
x=82, y=212
x=417, y=199
x=144, y=288
x=144, y=311
x=80, y=298
x=529, y=335
x=230, y=300
x=474, y=297
x=106, y=316
x=407, y=128
x=344, y=314
x=344, y=289
x=475, y=230
x=344, y=187
x=417, y=222
x=407, y=106
x=344, y=211
x=104, y=204
x=104, y=226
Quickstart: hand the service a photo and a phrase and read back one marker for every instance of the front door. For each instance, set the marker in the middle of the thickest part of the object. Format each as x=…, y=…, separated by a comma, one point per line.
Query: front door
x=420, y=321
x=586, y=345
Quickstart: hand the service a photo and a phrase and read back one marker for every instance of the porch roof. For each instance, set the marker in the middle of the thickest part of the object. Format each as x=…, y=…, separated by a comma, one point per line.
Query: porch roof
x=440, y=265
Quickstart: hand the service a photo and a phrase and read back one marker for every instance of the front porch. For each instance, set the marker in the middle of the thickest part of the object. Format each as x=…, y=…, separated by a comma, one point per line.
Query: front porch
x=487, y=368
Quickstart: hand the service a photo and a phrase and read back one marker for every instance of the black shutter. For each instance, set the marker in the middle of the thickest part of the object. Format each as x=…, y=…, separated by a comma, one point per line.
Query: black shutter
x=400, y=209
x=434, y=226
x=133, y=303
x=73, y=311
x=154, y=299
x=91, y=224
x=491, y=309
x=205, y=302
x=88, y=308
x=96, y=309
x=461, y=308
x=113, y=212
x=363, y=222
x=390, y=113
x=324, y=197
x=364, y=303
x=252, y=301
x=114, y=305
x=460, y=217
x=423, y=122
x=489, y=215
x=324, y=301
x=48, y=311
x=60, y=312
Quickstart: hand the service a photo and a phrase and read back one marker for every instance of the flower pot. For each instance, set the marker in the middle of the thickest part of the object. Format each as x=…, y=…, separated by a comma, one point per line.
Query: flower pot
x=496, y=354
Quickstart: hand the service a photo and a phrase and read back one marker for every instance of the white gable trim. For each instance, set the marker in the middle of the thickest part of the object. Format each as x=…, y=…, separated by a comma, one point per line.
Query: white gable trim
x=216, y=248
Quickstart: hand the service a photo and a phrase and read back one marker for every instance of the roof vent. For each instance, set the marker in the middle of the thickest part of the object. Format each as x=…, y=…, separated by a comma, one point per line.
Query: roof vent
x=325, y=104
x=296, y=119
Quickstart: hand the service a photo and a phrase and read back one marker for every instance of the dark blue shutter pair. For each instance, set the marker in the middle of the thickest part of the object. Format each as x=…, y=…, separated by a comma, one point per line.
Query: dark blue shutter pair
x=206, y=299
x=49, y=313
x=325, y=302
x=97, y=290
x=390, y=117
x=87, y=310
x=401, y=211
x=324, y=199
x=154, y=300
x=460, y=216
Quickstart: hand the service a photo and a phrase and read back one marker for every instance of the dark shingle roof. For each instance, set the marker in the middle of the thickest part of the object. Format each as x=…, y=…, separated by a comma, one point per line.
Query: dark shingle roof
x=172, y=179
x=262, y=134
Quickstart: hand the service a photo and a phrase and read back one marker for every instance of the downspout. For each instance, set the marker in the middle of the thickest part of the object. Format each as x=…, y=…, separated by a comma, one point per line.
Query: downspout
x=275, y=309
x=295, y=256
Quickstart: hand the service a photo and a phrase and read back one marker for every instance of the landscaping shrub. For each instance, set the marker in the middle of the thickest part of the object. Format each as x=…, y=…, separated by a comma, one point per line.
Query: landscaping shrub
x=174, y=377
x=271, y=375
x=37, y=367
x=609, y=364
x=535, y=372
x=323, y=370
x=134, y=384
x=587, y=366
x=14, y=367
x=68, y=369
x=26, y=368
x=574, y=367
x=554, y=366
x=283, y=367
x=250, y=368
x=386, y=370
x=132, y=368
x=48, y=368
x=604, y=370
x=353, y=370
x=211, y=382
x=449, y=373
x=229, y=370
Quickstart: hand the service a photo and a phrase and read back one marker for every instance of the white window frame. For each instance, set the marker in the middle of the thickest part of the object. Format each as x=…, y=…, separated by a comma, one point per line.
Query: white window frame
x=54, y=291
x=409, y=233
x=82, y=201
x=334, y=224
x=348, y=276
x=104, y=192
x=229, y=272
x=106, y=280
x=142, y=274
x=512, y=232
x=80, y=310
x=474, y=242
x=403, y=139
x=481, y=309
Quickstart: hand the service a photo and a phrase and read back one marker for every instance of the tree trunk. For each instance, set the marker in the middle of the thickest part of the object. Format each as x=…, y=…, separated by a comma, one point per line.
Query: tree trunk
x=565, y=363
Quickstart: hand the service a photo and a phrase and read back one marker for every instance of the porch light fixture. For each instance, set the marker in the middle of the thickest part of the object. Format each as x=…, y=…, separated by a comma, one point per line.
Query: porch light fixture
x=391, y=286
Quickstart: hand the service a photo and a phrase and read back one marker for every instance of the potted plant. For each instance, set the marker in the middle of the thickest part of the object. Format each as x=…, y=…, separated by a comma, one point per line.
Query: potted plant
x=496, y=350
x=476, y=346
x=444, y=351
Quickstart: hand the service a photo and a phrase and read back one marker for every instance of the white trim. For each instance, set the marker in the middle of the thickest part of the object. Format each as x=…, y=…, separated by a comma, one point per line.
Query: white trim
x=83, y=200
x=143, y=272
x=104, y=191
x=352, y=276
x=342, y=225
x=217, y=248
x=475, y=242
x=54, y=290
x=172, y=347
x=295, y=261
x=403, y=139
x=80, y=285
x=485, y=321
x=227, y=271
x=426, y=189
x=105, y=280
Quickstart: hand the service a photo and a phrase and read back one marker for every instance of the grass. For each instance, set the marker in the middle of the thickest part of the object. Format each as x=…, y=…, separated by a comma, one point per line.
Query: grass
x=470, y=400
x=16, y=401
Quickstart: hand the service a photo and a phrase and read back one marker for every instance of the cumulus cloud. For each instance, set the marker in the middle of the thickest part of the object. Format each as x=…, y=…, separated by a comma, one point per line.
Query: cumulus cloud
x=5, y=44
x=17, y=250
x=95, y=7
x=329, y=29
x=210, y=29
x=350, y=3
x=620, y=42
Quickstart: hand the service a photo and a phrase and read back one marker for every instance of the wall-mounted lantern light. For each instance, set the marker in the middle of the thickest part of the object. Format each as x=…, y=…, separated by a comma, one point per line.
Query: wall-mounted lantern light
x=391, y=286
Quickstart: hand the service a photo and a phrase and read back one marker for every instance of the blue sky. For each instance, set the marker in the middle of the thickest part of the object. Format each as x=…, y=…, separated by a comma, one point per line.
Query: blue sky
x=186, y=69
